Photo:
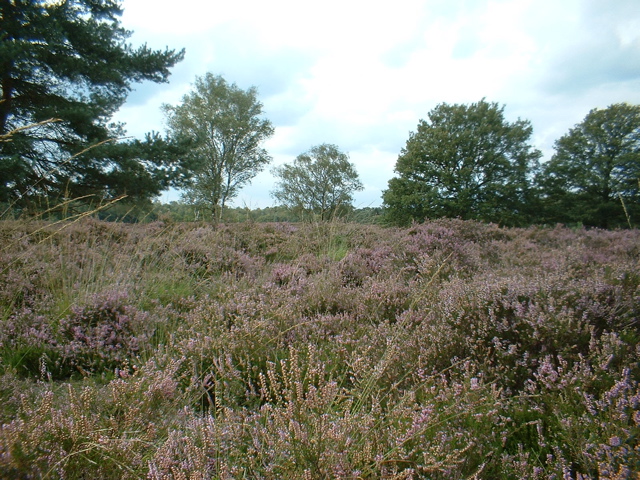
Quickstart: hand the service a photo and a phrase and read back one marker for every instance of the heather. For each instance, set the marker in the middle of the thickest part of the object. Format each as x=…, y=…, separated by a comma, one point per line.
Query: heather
x=446, y=350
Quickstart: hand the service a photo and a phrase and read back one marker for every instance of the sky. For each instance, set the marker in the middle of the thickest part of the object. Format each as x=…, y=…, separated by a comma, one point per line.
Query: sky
x=362, y=74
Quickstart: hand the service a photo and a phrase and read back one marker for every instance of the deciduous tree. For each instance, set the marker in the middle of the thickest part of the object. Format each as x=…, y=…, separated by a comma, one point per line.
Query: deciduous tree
x=321, y=181
x=594, y=176
x=224, y=126
x=465, y=161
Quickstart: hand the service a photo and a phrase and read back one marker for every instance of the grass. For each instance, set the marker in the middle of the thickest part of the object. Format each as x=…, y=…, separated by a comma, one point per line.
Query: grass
x=449, y=350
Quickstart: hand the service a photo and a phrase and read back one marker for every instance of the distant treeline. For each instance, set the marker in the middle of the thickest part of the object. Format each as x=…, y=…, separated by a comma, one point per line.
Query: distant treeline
x=183, y=212
x=179, y=211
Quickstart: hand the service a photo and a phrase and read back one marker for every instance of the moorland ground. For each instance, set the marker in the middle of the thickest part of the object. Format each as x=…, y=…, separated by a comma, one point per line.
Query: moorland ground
x=446, y=350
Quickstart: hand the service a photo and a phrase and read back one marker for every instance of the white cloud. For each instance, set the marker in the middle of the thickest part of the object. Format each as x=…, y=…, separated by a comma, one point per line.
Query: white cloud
x=361, y=74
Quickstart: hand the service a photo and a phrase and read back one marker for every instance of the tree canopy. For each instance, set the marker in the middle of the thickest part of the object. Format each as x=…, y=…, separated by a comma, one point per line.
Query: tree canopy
x=465, y=161
x=594, y=176
x=70, y=61
x=320, y=181
x=223, y=127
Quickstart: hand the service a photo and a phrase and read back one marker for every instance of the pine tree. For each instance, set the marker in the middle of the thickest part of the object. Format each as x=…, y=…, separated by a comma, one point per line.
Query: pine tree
x=70, y=61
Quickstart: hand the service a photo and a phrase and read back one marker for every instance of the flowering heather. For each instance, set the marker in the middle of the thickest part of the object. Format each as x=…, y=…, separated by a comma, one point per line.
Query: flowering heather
x=448, y=350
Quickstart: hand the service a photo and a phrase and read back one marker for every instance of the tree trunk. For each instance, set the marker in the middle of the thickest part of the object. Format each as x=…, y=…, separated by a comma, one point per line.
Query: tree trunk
x=5, y=102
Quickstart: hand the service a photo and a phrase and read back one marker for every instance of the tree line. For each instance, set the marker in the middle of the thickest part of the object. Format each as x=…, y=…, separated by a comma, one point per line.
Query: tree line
x=468, y=161
x=66, y=68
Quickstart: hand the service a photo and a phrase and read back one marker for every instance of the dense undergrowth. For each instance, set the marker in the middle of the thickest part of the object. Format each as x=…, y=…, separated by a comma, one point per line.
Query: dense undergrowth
x=447, y=350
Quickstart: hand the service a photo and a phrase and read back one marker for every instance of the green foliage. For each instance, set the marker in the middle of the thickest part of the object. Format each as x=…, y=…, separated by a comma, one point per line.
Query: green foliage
x=178, y=211
x=221, y=123
x=320, y=182
x=594, y=176
x=466, y=161
x=69, y=61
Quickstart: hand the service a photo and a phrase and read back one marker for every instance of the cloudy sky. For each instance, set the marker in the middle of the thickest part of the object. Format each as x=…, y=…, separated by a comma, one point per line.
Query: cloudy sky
x=361, y=74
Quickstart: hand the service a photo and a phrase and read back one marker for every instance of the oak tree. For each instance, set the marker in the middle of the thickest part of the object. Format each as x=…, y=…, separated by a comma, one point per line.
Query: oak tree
x=465, y=161
x=594, y=176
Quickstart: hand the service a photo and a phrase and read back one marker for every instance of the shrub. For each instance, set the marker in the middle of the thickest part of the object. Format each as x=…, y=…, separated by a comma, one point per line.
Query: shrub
x=448, y=350
x=95, y=338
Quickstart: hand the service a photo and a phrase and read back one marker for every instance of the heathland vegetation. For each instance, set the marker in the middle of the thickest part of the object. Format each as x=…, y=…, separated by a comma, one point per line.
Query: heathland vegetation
x=447, y=350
